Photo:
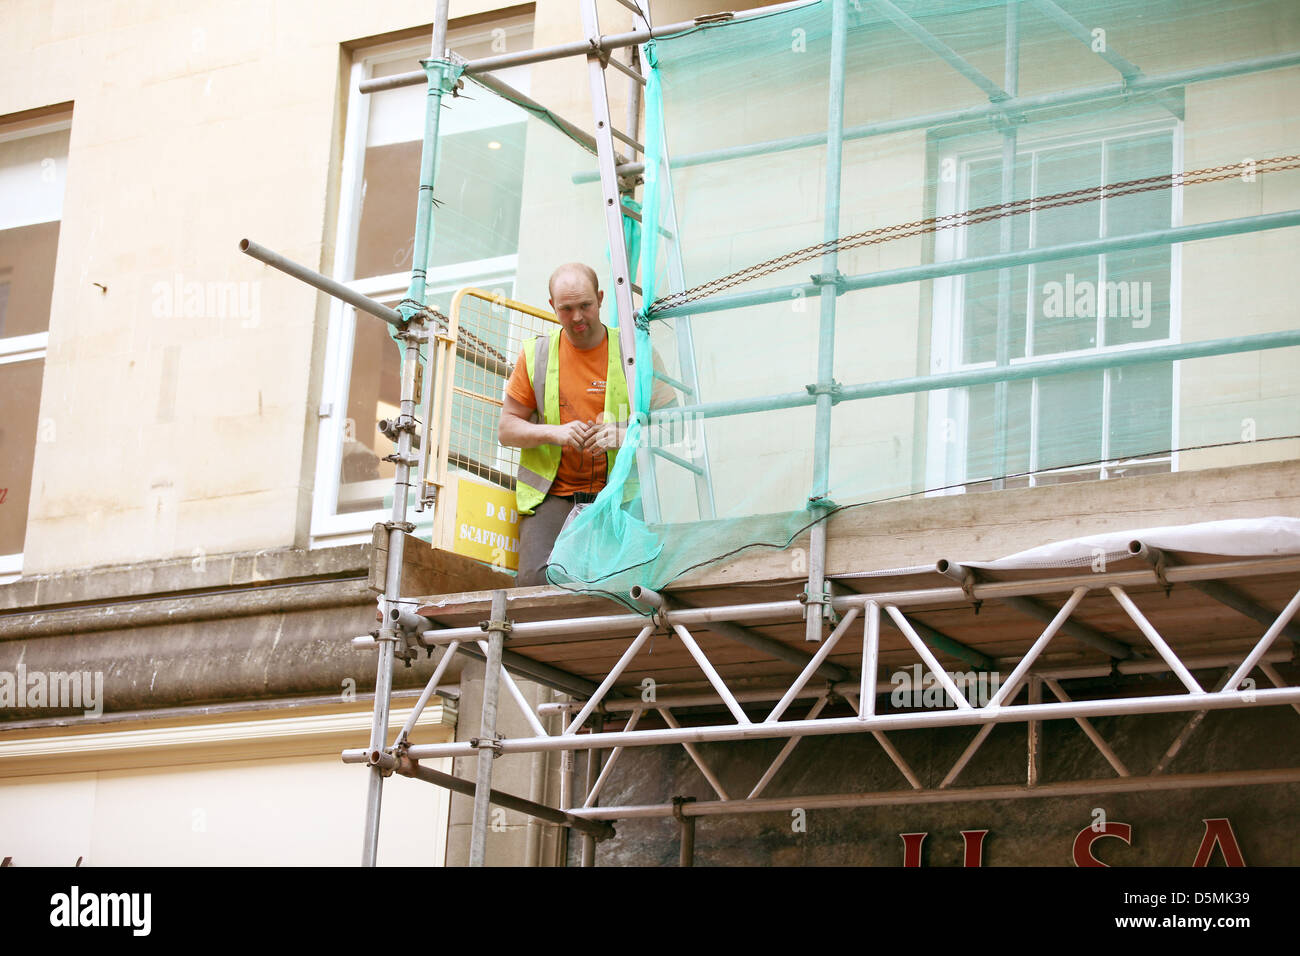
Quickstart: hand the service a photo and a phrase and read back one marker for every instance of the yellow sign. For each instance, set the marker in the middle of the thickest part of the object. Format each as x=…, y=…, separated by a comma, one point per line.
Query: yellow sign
x=487, y=524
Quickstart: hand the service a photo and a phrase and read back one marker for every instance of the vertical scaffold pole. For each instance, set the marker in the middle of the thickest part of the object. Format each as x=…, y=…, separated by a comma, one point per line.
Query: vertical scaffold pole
x=1002, y=342
x=589, y=781
x=402, y=470
x=389, y=634
x=487, y=738
x=829, y=282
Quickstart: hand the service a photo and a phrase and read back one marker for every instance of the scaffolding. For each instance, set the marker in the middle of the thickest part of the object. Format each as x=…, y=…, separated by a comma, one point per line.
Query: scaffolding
x=921, y=608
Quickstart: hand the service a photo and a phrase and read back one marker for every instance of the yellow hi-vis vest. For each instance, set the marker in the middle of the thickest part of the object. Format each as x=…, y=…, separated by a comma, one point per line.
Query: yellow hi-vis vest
x=538, y=466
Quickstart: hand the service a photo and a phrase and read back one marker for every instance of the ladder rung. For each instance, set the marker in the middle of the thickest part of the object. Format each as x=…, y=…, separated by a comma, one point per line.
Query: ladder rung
x=619, y=134
x=669, y=456
x=680, y=386
x=636, y=288
x=624, y=68
x=633, y=214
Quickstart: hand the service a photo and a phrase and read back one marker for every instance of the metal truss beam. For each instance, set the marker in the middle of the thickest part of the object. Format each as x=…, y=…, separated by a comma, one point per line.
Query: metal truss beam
x=1162, y=704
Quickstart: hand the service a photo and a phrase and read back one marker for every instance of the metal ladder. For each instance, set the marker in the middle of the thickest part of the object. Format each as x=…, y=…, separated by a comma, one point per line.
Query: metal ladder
x=613, y=188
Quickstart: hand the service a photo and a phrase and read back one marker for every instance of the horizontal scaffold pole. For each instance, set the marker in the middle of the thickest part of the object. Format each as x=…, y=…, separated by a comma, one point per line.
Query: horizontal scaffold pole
x=324, y=283
x=775, y=612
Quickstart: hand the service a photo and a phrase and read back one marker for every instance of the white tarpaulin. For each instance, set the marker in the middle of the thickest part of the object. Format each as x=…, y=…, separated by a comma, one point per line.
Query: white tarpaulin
x=1234, y=537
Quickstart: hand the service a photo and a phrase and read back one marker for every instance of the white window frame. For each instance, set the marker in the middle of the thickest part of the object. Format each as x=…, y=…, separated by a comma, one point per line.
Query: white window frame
x=948, y=411
x=328, y=527
x=33, y=346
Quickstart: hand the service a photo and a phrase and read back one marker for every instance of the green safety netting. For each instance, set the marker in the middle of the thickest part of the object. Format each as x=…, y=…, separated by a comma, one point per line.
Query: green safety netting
x=1090, y=344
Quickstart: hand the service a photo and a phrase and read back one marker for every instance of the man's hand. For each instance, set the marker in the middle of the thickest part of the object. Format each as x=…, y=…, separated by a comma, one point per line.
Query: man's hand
x=572, y=435
x=605, y=436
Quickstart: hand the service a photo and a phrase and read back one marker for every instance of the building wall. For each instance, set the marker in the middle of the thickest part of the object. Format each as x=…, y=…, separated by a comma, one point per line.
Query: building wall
x=194, y=127
x=265, y=790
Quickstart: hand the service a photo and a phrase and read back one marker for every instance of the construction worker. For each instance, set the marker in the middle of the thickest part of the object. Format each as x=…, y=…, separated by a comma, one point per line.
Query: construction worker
x=566, y=405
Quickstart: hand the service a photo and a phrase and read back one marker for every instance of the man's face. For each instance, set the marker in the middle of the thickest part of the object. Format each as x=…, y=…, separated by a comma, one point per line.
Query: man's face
x=577, y=305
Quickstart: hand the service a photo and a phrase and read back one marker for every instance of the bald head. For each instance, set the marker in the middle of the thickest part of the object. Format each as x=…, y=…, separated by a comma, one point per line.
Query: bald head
x=576, y=271
x=575, y=300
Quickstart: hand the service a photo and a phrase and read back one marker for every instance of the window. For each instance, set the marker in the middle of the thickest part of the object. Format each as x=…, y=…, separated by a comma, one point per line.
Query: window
x=33, y=170
x=1075, y=426
x=476, y=240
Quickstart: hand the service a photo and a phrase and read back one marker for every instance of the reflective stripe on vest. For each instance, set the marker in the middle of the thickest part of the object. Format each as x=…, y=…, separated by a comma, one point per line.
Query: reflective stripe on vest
x=538, y=466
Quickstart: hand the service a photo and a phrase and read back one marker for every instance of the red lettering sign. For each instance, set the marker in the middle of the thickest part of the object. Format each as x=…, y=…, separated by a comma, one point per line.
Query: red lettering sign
x=1219, y=830
x=912, y=848
x=1088, y=836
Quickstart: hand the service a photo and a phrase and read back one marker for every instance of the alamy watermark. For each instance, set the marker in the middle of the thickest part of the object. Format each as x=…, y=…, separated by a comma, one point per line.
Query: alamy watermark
x=64, y=690
x=130, y=910
x=190, y=299
x=1085, y=299
x=917, y=687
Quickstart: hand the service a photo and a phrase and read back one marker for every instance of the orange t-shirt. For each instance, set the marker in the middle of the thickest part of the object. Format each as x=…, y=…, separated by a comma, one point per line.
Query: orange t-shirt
x=582, y=398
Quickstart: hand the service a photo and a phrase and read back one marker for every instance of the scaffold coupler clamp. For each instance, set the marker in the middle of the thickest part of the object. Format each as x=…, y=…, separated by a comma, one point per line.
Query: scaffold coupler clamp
x=382, y=759
x=835, y=278
x=487, y=743
x=411, y=627
x=834, y=389
x=678, y=804
x=406, y=526
x=832, y=696
x=824, y=599
x=505, y=627
x=393, y=427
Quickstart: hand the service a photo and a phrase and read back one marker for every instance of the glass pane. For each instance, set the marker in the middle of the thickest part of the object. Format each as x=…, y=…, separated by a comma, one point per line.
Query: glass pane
x=32, y=176
x=1135, y=295
x=479, y=188
x=27, y=256
x=1062, y=170
x=1141, y=410
x=387, y=231
x=20, y=400
x=982, y=426
x=981, y=296
x=33, y=171
x=374, y=392
x=1139, y=157
x=1065, y=305
x=1069, y=419
x=1065, y=316
x=480, y=163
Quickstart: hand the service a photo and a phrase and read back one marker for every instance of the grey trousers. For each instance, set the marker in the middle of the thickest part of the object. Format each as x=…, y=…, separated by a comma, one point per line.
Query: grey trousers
x=537, y=534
